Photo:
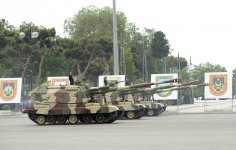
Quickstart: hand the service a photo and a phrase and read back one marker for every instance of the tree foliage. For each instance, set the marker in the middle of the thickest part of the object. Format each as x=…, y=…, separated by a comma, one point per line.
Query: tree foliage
x=135, y=41
x=8, y=48
x=129, y=65
x=159, y=47
x=93, y=22
x=83, y=54
x=93, y=25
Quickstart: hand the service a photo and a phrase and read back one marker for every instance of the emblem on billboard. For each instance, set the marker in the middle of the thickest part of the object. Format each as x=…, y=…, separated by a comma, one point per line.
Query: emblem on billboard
x=60, y=82
x=218, y=86
x=114, y=81
x=8, y=89
x=164, y=78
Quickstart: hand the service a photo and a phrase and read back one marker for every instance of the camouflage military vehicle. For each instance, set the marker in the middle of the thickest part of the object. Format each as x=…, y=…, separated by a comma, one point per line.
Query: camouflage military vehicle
x=114, y=96
x=126, y=109
x=146, y=98
x=59, y=104
x=131, y=110
x=152, y=108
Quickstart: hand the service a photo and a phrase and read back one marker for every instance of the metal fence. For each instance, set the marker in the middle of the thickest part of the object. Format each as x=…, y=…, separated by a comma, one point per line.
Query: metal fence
x=205, y=106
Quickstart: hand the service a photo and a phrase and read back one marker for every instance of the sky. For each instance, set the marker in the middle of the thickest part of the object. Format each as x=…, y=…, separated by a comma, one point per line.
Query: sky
x=204, y=30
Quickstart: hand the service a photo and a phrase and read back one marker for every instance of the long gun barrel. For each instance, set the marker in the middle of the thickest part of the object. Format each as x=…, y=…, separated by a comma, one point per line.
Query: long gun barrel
x=165, y=88
x=102, y=90
x=179, y=88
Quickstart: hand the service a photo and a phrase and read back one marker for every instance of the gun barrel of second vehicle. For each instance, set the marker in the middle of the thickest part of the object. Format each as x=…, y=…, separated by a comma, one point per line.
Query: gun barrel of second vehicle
x=130, y=87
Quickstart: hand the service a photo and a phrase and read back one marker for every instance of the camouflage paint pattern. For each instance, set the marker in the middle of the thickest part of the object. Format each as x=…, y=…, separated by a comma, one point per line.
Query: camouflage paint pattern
x=66, y=101
x=113, y=98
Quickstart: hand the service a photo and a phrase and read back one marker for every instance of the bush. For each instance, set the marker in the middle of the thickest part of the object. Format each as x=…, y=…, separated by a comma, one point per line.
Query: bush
x=6, y=107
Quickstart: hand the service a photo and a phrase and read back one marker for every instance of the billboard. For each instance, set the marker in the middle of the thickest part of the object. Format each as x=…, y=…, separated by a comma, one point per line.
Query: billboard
x=10, y=90
x=64, y=80
x=220, y=85
x=112, y=78
x=171, y=95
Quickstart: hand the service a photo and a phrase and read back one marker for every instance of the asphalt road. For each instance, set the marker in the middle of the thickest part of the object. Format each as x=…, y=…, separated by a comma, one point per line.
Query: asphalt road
x=166, y=132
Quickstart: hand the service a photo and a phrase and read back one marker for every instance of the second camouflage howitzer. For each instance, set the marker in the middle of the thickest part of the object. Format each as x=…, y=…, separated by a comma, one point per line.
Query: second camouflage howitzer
x=153, y=108
x=110, y=95
x=131, y=110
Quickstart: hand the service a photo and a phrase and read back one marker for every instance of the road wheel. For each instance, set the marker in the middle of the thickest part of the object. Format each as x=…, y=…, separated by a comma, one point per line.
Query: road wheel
x=86, y=119
x=51, y=119
x=73, y=119
x=100, y=118
x=130, y=115
x=150, y=112
x=40, y=120
x=61, y=119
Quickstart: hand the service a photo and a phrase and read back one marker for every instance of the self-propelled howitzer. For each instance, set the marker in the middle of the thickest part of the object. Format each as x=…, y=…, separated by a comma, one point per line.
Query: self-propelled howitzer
x=154, y=108
x=112, y=96
x=69, y=103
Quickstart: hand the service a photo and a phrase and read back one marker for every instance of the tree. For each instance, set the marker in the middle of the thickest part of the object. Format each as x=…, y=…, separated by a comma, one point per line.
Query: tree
x=8, y=35
x=36, y=47
x=95, y=24
x=106, y=46
x=28, y=44
x=83, y=53
x=135, y=41
x=160, y=47
x=172, y=64
x=139, y=42
x=3, y=27
x=129, y=65
x=46, y=43
x=5, y=72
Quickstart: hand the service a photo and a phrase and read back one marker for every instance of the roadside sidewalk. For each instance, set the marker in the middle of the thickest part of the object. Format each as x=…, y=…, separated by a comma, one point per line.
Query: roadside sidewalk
x=210, y=106
x=9, y=113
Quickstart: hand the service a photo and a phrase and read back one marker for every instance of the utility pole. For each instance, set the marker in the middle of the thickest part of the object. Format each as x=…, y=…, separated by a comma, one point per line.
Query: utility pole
x=191, y=78
x=115, y=42
x=179, y=95
x=146, y=70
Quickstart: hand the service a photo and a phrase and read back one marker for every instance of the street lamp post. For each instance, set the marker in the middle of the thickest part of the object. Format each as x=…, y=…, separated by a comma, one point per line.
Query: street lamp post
x=191, y=78
x=30, y=37
x=115, y=42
